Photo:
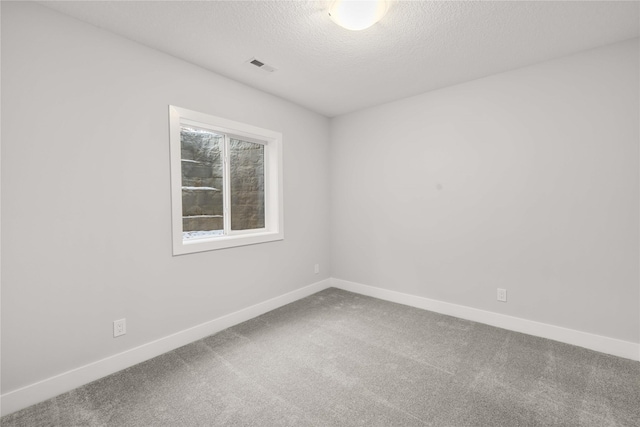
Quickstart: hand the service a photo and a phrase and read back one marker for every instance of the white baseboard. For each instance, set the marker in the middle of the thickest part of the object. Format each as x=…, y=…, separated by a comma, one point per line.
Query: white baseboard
x=616, y=347
x=51, y=387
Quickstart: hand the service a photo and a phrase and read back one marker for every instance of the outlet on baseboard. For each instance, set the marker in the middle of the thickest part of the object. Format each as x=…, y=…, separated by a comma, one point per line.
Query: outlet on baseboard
x=119, y=327
x=502, y=295
x=316, y=268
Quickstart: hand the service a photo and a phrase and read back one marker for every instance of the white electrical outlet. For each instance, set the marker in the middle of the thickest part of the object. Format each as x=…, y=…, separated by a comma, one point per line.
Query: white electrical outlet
x=316, y=269
x=119, y=327
x=502, y=295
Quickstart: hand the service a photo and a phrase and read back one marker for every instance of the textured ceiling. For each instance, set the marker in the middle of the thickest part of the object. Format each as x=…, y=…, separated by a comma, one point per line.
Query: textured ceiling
x=419, y=46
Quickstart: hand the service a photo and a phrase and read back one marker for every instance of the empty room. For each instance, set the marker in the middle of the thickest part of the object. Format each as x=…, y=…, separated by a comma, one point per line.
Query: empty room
x=320, y=213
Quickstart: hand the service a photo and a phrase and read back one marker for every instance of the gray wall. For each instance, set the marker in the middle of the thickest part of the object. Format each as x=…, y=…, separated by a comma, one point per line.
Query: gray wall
x=86, y=213
x=526, y=180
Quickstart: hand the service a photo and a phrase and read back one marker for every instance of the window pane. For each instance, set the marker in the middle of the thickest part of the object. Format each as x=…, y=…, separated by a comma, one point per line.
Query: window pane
x=247, y=185
x=202, y=165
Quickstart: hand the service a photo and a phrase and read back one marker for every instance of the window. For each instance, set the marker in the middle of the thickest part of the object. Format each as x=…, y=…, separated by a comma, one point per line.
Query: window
x=226, y=182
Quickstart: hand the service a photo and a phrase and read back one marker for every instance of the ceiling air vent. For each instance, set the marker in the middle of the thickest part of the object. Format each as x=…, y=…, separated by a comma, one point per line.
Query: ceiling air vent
x=257, y=63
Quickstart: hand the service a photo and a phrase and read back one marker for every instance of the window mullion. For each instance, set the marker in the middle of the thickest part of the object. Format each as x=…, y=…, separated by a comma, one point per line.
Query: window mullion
x=226, y=182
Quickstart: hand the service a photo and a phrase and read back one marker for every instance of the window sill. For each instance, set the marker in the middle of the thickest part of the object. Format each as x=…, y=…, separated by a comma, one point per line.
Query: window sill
x=181, y=247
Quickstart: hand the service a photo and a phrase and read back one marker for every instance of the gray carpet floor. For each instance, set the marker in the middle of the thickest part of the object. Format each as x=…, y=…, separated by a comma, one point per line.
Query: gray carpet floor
x=342, y=359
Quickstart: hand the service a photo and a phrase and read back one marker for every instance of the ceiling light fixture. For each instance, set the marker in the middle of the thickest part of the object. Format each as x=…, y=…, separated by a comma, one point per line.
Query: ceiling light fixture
x=357, y=14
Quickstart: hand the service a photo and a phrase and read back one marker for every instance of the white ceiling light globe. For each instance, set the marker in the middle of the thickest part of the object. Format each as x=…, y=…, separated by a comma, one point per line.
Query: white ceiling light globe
x=357, y=14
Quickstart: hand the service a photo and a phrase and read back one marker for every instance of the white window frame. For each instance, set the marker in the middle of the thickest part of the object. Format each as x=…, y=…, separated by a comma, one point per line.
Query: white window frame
x=272, y=141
